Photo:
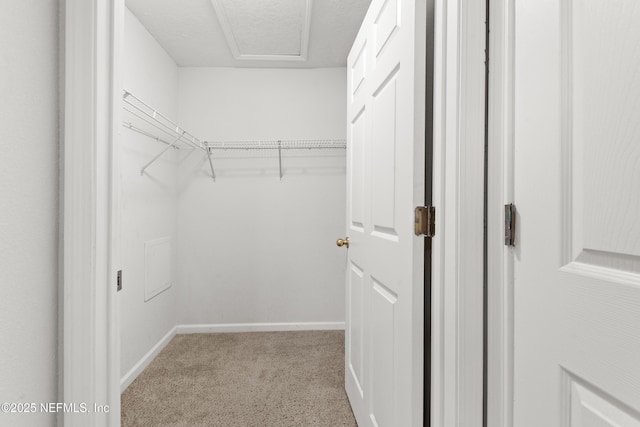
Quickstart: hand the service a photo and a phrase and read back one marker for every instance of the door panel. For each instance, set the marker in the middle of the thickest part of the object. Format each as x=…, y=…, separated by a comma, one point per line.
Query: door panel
x=382, y=357
x=359, y=70
x=386, y=22
x=356, y=171
x=577, y=188
x=591, y=408
x=356, y=348
x=385, y=158
x=604, y=70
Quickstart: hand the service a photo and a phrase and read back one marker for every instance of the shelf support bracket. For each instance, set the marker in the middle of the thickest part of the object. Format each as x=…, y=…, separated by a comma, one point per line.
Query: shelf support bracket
x=213, y=174
x=160, y=154
x=280, y=157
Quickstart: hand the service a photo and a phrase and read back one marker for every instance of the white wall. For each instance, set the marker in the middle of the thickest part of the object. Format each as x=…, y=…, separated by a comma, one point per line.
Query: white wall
x=253, y=249
x=29, y=206
x=149, y=202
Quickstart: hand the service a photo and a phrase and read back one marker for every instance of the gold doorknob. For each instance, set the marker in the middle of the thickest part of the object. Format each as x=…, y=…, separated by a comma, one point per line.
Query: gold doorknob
x=341, y=242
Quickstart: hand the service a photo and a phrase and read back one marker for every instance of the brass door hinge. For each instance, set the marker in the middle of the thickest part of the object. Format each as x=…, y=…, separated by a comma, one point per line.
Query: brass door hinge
x=425, y=221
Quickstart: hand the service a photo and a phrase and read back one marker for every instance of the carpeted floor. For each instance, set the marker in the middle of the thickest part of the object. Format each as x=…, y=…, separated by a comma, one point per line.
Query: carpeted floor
x=262, y=379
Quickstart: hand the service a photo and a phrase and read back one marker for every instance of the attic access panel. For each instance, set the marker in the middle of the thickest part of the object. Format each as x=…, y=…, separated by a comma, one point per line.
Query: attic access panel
x=273, y=30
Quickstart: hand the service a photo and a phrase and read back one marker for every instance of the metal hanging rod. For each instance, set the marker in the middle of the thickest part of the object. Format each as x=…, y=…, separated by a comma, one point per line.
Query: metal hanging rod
x=169, y=133
x=130, y=125
x=290, y=144
x=145, y=112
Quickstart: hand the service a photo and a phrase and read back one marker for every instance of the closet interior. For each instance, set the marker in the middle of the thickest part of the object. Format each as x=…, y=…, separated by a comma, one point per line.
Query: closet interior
x=231, y=174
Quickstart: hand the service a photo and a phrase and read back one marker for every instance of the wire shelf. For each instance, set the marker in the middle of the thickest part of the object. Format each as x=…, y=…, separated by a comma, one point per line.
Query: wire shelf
x=159, y=121
x=143, y=111
x=138, y=108
x=289, y=144
x=279, y=145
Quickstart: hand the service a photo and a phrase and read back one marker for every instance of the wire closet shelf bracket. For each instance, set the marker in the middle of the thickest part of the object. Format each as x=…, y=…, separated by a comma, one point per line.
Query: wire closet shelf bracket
x=177, y=135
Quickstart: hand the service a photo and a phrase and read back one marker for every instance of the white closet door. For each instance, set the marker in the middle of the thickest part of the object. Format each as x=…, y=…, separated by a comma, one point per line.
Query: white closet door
x=385, y=175
x=577, y=190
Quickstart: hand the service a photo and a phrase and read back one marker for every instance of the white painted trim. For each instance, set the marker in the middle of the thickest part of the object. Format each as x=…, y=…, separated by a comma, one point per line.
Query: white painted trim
x=90, y=365
x=500, y=192
x=137, y=369
x=113, y=313
x=259, y=327
x=223, y=19
x=458, y=168
x=304, y=41
x=226, y=28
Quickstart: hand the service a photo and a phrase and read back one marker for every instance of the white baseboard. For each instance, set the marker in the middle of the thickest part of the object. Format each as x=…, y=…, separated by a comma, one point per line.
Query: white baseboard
x=146, y=359
x=259, y=327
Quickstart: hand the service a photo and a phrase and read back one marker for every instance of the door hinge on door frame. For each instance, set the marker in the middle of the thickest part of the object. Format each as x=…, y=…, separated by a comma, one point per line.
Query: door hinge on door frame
x=510, y=224
x=425, y=221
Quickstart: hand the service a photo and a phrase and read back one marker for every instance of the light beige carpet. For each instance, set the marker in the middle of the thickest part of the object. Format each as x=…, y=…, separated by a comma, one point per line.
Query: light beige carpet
x=279, y=379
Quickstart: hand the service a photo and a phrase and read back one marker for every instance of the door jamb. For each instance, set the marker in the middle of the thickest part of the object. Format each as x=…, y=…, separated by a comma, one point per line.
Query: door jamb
x=458, y=194
x=90, y=47
x=500, y=191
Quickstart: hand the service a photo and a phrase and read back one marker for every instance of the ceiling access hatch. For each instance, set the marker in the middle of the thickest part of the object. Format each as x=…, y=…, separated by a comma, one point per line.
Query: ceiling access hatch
x=273, y=30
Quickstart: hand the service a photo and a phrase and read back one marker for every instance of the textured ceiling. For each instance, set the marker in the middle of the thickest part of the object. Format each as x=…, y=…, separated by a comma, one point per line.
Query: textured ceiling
x=275, y=27
x=191, y=32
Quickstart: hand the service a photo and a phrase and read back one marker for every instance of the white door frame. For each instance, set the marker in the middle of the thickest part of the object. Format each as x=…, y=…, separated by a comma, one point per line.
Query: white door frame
x=500, y=192
x=91, y=47
x=458, y=189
